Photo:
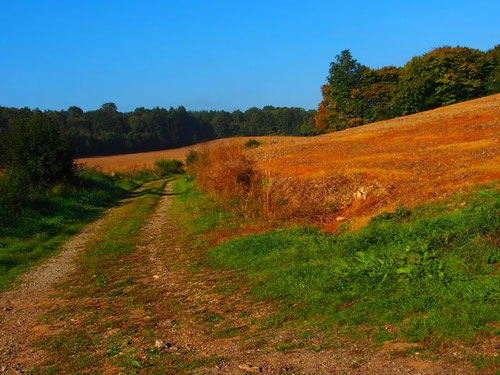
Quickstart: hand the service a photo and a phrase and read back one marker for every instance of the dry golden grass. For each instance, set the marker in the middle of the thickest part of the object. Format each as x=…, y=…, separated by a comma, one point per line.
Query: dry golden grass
x=356, y=173
x=404, y=161
x=127, y=162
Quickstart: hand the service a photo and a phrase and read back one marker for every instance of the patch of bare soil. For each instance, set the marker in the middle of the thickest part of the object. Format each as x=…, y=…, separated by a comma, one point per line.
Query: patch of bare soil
x=200, y=320
x=200, y=310
x=21, y=307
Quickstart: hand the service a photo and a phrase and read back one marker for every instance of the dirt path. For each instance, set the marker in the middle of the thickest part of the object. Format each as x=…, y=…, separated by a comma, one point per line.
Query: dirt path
x=177, y=314
x=21, y=307
x=212, y=318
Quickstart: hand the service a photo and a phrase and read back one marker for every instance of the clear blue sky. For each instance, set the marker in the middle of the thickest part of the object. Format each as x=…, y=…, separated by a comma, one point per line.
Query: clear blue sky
x=210, y=54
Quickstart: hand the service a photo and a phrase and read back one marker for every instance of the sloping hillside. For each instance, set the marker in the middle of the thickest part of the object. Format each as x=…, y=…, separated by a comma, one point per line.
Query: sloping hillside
x=379, y=166
x=403, y=161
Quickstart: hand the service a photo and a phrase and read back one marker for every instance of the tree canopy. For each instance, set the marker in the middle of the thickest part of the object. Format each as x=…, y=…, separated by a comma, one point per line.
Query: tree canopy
x=355, y=94
x=35, y=153
x=107, y=131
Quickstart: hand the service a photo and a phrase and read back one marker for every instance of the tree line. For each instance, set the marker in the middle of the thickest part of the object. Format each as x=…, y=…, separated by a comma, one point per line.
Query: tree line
x=355, y=94
x=107, y=131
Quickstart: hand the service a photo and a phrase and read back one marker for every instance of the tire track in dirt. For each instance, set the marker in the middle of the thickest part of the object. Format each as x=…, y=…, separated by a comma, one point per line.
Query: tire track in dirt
x=195, y=292
x=22, y=307
x=193, y=316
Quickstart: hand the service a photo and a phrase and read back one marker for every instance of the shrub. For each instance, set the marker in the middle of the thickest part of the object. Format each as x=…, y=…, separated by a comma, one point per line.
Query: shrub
x=166, y=167
x=191, y=157
x=227, y=173
x=35, y=153
x=252, y=143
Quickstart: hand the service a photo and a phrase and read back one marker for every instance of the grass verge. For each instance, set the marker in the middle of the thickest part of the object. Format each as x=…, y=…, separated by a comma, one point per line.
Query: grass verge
x=110, y=308
x=37, y=227
x=427, y=274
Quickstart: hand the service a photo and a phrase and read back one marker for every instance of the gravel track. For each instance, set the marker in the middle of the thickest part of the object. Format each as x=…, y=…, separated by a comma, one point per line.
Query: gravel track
x=21, y=307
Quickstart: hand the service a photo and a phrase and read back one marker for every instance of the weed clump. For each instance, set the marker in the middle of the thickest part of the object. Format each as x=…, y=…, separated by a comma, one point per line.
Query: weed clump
x=252, y=143
x=166, y=167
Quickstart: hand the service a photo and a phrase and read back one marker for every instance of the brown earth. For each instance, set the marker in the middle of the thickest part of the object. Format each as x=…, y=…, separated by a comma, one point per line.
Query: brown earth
x=182, y=318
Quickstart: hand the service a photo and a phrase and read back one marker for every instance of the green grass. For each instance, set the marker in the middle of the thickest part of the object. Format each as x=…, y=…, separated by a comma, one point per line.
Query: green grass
x=37, y=227
x=111, y=262
x=202, y=212
x=430, y=272
x=72, y=351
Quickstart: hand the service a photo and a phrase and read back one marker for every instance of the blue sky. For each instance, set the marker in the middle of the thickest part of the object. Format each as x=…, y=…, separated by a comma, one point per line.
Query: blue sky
x=214, y=54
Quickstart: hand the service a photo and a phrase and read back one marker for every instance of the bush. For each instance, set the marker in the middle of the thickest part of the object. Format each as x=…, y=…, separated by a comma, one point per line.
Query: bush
x=227, y=173
x=252, y=143
x=166, y=167
x=35, y=153
x=191, y=157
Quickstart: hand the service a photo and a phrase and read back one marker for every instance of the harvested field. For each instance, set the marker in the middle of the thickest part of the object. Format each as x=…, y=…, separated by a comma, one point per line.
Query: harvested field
x=141, y=160
x=404, y=161
x=384, y=165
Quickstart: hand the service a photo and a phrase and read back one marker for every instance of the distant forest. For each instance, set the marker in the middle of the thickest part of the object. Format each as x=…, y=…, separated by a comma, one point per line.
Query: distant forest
x=354, y=94
x=107, y=131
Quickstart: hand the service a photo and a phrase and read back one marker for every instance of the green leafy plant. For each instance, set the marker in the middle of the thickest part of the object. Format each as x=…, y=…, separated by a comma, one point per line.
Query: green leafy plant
x=166, y=167
x=252, y=143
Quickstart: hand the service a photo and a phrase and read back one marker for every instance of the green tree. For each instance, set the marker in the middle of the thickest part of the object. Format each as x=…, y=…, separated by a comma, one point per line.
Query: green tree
x=342, y=104
x=493, y=79
x=441, y=77
x=221, y=123
x=35, y=152
x=109, y=107
x=378, y=91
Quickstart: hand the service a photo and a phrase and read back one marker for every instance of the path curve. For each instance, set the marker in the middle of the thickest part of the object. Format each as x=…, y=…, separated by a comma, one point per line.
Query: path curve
x=185, y=297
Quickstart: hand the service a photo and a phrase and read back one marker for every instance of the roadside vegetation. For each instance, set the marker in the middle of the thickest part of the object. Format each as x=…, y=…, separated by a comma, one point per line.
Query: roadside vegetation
x=37, y=226
x=167, y=167
x=427, y=274
x=230, y=175
x=45, y=197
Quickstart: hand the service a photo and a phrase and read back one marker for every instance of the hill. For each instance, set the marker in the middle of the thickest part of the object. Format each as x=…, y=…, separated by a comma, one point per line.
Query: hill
x=379, y=166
